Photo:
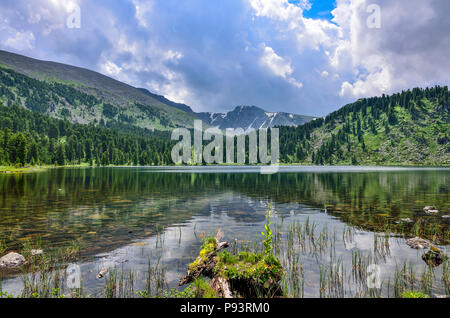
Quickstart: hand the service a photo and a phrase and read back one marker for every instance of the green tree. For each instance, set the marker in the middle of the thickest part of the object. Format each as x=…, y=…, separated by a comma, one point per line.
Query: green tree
x=21, y=148
x=60, y=154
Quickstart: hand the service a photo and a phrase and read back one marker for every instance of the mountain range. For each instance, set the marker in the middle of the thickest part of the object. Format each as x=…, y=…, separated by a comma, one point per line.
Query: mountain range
x=247, y=117
x=83, y=96
x=55, y=113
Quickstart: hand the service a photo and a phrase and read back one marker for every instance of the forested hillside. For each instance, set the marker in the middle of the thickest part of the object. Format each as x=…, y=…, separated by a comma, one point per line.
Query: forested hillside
x=408, y=128
x=28, y=137
x=84, y=96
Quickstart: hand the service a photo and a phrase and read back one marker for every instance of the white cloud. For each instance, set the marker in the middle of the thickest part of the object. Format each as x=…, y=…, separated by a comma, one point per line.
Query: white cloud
x=111, y=69
x=276, y=9
x=211, y=56
x=171, y=90
x=377, y=80
x=278, y=65
x=143, y=9
x=294, y=82
x=21, y=41
x=407, y=51
x=275, y=63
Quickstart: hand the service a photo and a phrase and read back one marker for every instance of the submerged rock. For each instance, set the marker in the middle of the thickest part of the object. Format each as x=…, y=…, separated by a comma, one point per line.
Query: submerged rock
x=102, y=273
x=417, y=243
x=433, y=258
x=404, y=220
x=36, y=252
x=12, y=260
x=430, y=210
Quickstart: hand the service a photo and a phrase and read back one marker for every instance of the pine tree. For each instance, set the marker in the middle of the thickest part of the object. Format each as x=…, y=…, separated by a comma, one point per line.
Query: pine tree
x=21, y=148
x=60, y=154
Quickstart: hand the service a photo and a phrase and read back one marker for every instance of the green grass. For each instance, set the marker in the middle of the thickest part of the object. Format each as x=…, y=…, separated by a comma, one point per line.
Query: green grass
x=246, y=265
x=29, y=169
x=414, y=294
x=200, y=288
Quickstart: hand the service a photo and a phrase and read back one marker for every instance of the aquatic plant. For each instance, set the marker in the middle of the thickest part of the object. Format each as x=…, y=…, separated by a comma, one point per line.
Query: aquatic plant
x=413, y=294
x=268, y=236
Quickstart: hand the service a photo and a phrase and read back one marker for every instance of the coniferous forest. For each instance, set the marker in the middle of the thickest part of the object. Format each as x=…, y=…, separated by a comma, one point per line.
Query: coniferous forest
x=33, y=138
x=411, y=127
x=408, y=128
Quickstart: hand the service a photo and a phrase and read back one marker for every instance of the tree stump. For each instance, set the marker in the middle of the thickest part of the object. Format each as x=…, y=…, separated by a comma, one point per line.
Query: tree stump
x=247, y=275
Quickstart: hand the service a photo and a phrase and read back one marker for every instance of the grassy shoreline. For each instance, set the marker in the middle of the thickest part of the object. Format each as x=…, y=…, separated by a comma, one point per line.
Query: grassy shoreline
x=26, y=169
x=30, y=169
x=295, y=245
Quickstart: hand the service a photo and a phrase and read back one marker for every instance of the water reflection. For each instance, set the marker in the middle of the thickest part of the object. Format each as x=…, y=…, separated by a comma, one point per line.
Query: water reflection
x=126, y=216
x=107, y=207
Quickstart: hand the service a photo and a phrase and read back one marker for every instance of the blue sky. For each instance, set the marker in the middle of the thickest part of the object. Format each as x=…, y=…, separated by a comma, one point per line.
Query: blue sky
x=320, y=9
x=306, y=57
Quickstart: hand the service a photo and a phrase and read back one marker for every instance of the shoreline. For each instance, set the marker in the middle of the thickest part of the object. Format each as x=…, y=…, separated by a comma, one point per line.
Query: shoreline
x=32, y=169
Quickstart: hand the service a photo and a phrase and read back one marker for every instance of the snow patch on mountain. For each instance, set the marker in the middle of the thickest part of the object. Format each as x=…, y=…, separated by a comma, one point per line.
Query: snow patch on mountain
x=252, y=117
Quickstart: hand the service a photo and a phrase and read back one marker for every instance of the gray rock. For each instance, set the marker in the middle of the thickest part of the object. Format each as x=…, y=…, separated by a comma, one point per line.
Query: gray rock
x=430, y=210
x=446, y=216
x=404, y=220
x=417, y=243
x=12, y=260
x=102, y=273
x=434, y=259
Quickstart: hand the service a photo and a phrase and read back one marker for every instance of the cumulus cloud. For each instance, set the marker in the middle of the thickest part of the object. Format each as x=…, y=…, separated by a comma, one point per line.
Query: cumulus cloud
x=110, y=68
x=278, y=66
x=143, y=9
x=21, y=41
x=215, y=55
x=409, y=49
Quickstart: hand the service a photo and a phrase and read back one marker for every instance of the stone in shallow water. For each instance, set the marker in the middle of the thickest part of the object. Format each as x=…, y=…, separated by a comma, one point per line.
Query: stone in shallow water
x=433, y=258
x=102, y=273
x=36, y=252
x=12, y=260
x=405, y=220
x=430, y=210
x=417, y=243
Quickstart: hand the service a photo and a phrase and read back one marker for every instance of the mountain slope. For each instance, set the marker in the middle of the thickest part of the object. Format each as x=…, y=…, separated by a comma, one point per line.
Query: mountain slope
x=30, y=137
x=164, y=100
x=247, y=117
x=408, y=128
x=83, y=96
x=136, y=107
